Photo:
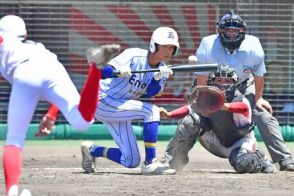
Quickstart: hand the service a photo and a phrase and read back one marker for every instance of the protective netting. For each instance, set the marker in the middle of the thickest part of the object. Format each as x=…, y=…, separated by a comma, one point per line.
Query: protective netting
x=68, y=28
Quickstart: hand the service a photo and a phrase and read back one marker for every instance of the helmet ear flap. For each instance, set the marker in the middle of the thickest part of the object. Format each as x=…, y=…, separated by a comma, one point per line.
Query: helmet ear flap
x=175, y=51
x=154, y=48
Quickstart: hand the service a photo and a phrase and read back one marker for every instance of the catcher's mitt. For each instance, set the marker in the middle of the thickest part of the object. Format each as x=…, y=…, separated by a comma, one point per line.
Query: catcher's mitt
x=206, y=99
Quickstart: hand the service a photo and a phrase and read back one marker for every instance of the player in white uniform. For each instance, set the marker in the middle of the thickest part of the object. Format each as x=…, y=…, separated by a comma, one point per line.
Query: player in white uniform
x=234, y=47
x=119, y=105
x=36, y=74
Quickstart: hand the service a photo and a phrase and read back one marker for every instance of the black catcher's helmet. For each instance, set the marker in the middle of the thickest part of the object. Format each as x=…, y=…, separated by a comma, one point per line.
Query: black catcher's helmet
x=225, y=78
x=231, y=29
x=224, y=72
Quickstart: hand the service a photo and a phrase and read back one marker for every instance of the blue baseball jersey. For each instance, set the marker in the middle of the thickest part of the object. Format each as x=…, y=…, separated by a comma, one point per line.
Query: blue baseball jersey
x=249, y=58
x=134, y=86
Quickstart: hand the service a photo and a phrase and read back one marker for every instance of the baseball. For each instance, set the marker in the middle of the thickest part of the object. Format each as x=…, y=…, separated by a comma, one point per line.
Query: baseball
x=192, y=59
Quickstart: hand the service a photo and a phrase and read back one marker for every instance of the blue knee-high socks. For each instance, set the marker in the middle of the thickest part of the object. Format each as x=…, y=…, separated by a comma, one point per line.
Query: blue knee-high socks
x=112, y=154
x=150, y=132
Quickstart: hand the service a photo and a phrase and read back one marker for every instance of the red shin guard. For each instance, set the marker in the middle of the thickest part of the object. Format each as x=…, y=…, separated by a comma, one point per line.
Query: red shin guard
x=12, y=164
x=89, y=94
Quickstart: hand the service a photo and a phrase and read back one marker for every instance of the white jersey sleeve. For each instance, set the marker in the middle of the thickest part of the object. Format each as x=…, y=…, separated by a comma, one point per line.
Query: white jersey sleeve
x=11, y=55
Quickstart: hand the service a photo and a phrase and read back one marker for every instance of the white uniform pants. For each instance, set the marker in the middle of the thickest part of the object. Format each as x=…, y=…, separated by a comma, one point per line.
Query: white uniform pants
x=32, y=81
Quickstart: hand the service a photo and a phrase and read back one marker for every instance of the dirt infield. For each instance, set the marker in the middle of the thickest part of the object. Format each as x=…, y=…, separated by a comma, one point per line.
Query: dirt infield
x=55, y=170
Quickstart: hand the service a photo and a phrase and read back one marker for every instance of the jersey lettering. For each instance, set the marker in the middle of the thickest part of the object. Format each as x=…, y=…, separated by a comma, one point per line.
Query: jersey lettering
x=171, y=35
x=137, y=83
x=247, y=69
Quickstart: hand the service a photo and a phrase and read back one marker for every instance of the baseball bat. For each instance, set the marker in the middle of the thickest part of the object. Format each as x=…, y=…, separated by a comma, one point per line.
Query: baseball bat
x=182, y=68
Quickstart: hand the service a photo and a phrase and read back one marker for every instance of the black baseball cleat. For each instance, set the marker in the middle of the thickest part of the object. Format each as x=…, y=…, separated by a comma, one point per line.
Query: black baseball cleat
x=287, y=167
x=88, y=162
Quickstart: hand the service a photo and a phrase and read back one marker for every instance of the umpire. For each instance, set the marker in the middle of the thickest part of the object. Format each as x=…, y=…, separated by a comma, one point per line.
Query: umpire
x=233, y=46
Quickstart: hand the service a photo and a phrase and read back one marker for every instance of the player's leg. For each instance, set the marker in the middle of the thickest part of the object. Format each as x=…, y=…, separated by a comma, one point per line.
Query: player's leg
x=111, y=110
x=89, y=93
x=245, y=158
x=182, y=142
x=127, y=153
x=61, y=91
x=271, y=134
x=270, y=131
x=23, y=101
x=151, y=166
x=210, y=142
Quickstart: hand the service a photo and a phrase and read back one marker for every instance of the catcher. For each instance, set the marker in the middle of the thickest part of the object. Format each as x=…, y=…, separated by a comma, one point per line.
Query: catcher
x=223, y=128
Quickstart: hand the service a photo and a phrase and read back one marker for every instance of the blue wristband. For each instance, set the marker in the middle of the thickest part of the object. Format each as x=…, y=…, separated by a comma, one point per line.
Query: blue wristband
x=107, y=72
x=153, y=88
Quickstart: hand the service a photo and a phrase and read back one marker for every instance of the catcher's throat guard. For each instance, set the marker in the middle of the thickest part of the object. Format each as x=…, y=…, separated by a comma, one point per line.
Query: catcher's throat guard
x=206, y=99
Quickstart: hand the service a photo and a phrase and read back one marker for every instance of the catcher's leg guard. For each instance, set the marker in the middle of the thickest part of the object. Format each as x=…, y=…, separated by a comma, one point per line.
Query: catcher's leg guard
x=246, y=162
x=183, y=140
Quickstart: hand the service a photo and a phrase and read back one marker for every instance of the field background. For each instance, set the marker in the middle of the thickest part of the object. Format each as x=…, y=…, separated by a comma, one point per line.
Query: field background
x=69, y=27
x=53, y=168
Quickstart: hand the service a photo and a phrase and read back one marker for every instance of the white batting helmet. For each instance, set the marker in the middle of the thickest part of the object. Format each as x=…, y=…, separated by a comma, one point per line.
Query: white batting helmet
x=13, y=25
x=164, y=36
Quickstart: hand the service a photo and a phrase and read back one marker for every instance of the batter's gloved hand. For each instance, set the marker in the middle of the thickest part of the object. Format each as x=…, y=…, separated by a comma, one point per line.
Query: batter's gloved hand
x=101, y=55
x=124, y=71
x=165, y=72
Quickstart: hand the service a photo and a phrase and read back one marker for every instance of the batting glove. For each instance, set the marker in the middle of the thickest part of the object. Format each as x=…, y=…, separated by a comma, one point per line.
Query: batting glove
x=165, y=72
x=124, y=72
x=101, y=55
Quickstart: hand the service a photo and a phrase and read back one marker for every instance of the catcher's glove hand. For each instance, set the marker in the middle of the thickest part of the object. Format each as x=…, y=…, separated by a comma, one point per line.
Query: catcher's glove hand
x=206, y=99
x=102, y=54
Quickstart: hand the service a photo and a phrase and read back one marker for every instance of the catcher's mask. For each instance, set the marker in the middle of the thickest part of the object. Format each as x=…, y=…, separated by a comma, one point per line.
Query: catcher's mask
x=231, y=29
x=224, y=78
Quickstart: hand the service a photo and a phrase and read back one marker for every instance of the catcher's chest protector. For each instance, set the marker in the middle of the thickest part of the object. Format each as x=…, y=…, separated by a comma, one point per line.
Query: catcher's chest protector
x=224, y=127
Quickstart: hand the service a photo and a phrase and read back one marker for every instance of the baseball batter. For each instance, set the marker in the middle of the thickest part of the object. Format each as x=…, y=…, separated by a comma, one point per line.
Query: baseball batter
x=119, y=105
x=233, y=140
x=36, y=74
x=234, y=47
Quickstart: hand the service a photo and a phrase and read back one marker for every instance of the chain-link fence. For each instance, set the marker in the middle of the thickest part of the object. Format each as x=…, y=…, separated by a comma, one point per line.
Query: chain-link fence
x=68, y=28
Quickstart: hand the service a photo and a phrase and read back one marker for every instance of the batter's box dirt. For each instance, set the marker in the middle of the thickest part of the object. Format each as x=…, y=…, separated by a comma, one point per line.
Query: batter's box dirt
x=56, y=171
